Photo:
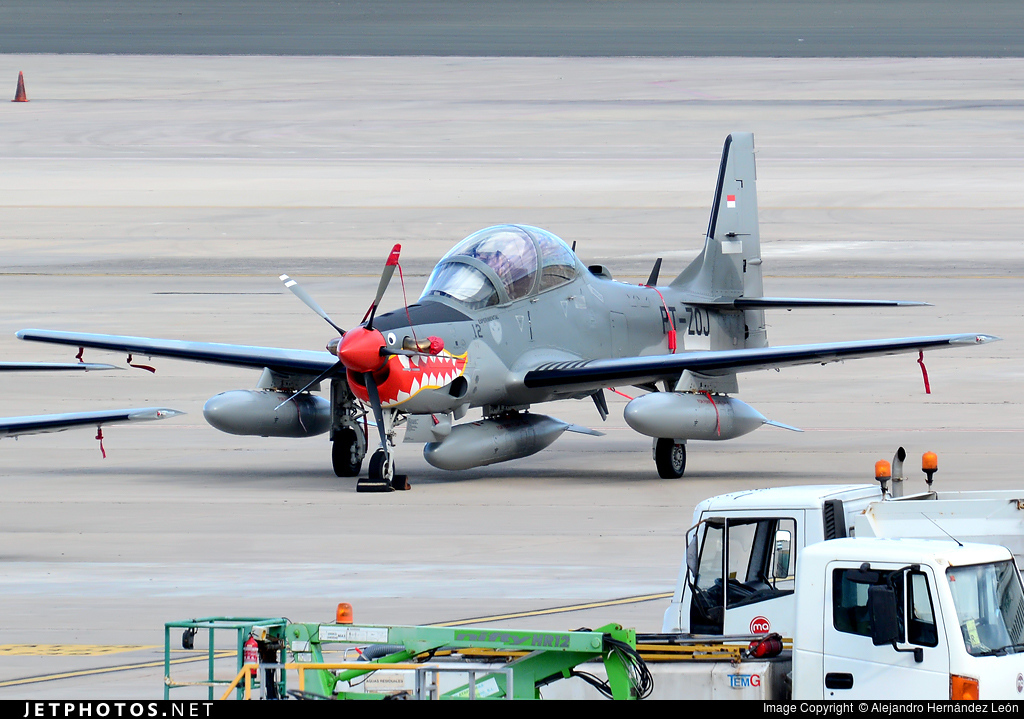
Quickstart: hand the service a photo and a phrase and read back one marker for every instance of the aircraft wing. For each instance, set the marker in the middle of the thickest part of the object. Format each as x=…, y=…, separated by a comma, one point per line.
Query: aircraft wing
x=51, y=366
x=283, y=361
x=586, y=374
x=40, y=424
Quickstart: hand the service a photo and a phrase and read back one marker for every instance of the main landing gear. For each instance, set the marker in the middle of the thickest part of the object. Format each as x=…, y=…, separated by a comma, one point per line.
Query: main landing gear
x=670, y=458
x=347, y=451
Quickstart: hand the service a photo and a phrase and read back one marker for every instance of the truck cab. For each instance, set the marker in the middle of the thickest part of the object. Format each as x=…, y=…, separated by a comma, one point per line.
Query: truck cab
x=908, y=619
x=739, y=573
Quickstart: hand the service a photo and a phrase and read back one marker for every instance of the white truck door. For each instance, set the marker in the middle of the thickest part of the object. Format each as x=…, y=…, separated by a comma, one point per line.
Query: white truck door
x=853, y=668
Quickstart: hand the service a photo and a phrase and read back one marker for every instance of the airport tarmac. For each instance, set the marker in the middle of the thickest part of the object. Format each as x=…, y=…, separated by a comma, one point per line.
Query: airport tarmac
x=163, y=196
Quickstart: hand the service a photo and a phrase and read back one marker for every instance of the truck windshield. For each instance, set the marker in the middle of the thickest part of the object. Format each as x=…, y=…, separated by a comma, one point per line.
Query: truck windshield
x=989, y=607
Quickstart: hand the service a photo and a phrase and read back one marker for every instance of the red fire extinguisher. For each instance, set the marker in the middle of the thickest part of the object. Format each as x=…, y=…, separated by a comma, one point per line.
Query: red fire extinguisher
x=251, y=654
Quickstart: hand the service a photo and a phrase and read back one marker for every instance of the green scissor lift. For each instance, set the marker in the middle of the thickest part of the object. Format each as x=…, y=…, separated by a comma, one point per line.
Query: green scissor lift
x=550, y=656
x=539, y=657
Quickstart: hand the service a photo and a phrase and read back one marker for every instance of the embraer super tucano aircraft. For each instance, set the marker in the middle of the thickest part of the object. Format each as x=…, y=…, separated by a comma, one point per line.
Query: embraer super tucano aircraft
x=511, y=318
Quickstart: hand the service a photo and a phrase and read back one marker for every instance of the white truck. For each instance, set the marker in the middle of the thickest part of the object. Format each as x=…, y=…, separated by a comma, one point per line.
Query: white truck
x=749, y=543
x=897, y=619
x=918, y=597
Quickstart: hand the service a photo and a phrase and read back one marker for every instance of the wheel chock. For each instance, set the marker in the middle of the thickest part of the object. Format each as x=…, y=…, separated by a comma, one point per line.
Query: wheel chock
x=366, y=484
x=401, y=482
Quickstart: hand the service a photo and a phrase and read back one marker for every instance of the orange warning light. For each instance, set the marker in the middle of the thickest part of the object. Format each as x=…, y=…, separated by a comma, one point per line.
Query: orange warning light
x=883, y=470
x=929, y=462
x=344, y=613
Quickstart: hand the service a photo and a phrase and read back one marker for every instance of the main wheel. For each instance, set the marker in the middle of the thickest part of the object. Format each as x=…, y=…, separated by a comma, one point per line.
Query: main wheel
x=670, y=457
x=345, y=453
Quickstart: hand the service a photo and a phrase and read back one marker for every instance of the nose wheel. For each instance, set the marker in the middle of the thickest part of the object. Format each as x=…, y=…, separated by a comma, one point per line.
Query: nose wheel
x=381, y=466
x=381, y=476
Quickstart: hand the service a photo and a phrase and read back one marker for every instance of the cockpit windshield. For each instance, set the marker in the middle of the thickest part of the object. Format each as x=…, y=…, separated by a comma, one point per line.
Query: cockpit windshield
x=461, y=282
x=502, y=264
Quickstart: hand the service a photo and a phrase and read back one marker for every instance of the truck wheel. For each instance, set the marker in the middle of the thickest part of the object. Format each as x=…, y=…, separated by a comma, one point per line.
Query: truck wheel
x=345, y=453
x=670, y=457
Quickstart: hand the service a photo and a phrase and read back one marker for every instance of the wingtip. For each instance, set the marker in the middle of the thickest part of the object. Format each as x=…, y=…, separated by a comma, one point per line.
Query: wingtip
x=976, y=339
x=149, y=413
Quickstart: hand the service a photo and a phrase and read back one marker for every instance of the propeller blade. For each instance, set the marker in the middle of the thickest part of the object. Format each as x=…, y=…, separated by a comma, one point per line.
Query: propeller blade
x=320, y=378
x=385, y=280
x=378, y=411
x=308, y=300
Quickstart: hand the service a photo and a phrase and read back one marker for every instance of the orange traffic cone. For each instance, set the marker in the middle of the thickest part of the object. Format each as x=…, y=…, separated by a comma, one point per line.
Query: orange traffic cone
x=19, y=95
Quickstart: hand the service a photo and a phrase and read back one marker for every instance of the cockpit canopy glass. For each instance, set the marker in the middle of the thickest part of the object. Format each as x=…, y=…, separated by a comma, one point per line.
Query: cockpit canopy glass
x=502, y=264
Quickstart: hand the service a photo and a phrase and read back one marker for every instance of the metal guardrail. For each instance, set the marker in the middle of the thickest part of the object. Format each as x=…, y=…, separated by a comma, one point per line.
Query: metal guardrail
x=424, y=689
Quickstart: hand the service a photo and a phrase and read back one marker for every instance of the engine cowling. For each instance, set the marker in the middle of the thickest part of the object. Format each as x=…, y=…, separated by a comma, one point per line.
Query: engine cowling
x=252, y=412
x=691, y=416
x=488, y=441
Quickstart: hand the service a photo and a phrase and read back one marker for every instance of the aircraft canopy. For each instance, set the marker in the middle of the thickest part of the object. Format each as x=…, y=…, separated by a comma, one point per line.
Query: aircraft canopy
x=502, y=264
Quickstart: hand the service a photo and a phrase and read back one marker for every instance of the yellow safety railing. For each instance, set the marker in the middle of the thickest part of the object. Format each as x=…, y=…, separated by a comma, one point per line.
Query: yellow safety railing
x=246, y=672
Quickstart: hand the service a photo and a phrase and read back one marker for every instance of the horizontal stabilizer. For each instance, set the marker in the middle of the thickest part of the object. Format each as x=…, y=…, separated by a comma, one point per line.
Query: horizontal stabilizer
x=767, y=303
x=793, y=303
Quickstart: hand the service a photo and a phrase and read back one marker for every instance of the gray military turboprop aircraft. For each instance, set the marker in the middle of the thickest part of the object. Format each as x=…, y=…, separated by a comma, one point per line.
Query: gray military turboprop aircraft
x=511, y=318
x=43, y=423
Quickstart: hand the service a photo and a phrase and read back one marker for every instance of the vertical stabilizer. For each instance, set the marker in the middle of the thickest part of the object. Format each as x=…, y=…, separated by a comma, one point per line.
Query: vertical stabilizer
x=730, y=265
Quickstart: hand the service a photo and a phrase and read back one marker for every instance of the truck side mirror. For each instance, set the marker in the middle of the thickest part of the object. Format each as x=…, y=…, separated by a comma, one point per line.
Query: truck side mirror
x=783, y=544
x=691, y=553
x=885, y=626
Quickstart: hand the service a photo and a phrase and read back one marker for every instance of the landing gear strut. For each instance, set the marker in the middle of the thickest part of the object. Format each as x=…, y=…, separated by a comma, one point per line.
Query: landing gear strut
x=670, y=458
x=381, y=476
x=347, y=438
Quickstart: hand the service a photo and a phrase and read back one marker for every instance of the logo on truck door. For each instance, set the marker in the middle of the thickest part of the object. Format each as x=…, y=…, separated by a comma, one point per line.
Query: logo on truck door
x=760, y=625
